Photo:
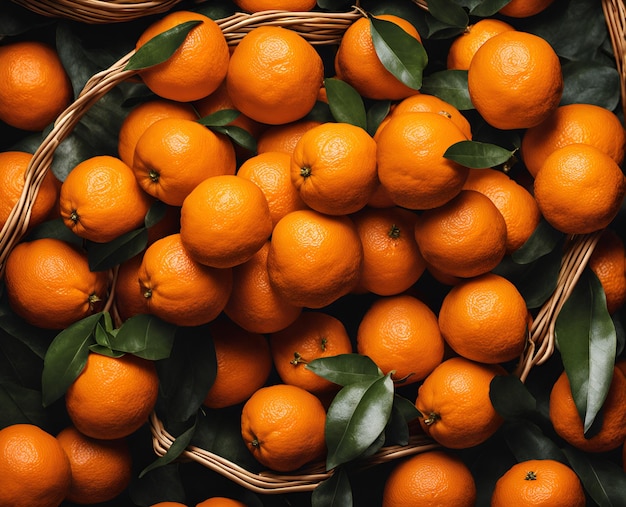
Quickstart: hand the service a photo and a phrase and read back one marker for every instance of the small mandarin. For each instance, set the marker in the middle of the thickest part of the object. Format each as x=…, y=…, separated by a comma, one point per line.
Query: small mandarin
x=464, y=46
x=524, y=8
x=220, y=501
x=283, y=5
x=608, y=262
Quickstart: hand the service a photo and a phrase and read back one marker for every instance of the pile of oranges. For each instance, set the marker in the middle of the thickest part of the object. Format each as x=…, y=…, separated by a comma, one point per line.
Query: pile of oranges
x=257, y=241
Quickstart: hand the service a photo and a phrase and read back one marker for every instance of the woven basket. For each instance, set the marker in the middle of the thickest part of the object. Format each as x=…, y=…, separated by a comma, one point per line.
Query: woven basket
x=317, y=28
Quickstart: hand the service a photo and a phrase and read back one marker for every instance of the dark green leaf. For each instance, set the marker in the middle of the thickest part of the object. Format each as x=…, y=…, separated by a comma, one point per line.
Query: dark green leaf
x=449, y=85
x=155, y=214
x=219, y=118
x=145, y=336
x=335, y=491
x=401, y=54
x=18, y=363
x=240, y=136
x=346, y=105
x=542, y=241
x=345, y=369
x=448, y=12
x=21, y=405
x=406, y=408
x=356, y=418
x=320, y=112
x=216, y=10
x=161, y=484
x=66, y=357
x=55, y=228
x=105, y=351
x=375, y=446
x=103, y=256
x=477, y=155
x=397, y=429
x=35, y=339
x=377, y=112
x=161, y=47
x=510, y=397
x=487, y=8
x=101, y=334
x=527, y=441
x=589, y=82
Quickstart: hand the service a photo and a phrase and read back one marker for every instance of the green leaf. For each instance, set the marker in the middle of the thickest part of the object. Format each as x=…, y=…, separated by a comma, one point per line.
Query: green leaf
x=21, y=405
x=145, y=336
x=510, y=397
x=401, y=54
x=240, y=136
x=345, y=369
x=155, y=214
x=345, y=103
x=377, y=112
x=161, y=47
x=103, y=256
x=19, y=363
x=219, y=118
x=527, y=441
x=477, y=155
x=449, y=85
x=487, y=8
x=55, y=228
x=448, y=12
x=161, y=484
x=66, y=357
x=406, y=408
x=542, y=241
x=402, y=412
x=356, y=418
x=586, y=338
x=590, y=82
x=335, y=491
x=105, y=351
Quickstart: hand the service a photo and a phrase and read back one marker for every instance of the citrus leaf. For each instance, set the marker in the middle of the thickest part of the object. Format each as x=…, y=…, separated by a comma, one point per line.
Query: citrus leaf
x=21, y=405
x=19, y=363
x=590, y=82
x=55, y=228
x=477, y=155
x=161, y=47
x=542, y=241
x=356, y=417
x=155, y=214
x=527, y=441
x=103, y=256
x=344, y=369
x=448, y=12
x=586, y=338
x=397, y=430
x=240, y=136
x=487, y=8
x=510, y=397
x=66, y=357
x=335, y=491
x=406, y=408
x=219, y=118
x=376, y=114
x=145, y=336
x=449, y=85
x=105, y=351
x=161, y=484
x=401, y=54
x=345, y=103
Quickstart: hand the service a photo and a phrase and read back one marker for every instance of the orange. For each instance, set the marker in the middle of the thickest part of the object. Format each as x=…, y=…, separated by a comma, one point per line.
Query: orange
x=465, y=237
x=243, y=364
x=544, y=482
x=196, y=68
x=314, y=259
x=485, y=319
x=400, y=334
x=333, y=167
x=34, y=470
x=569, y=426
x=141, y=117
x=274, y=75
x=608, y=262
x=34, y=87
x=168, y=504
x=464, y=46
x=524, y=8
x=101, y=469
x=411, y=165
x=271, y=171
x=515, y=80
x=569, y=124
x=13, y=167
x=579, y=189
x=516, y=204
x=129, y=298
x=283, y=427
x=284, y=137
x=174, y=155
x=311, y=336
x=49, y=283
x=113, y=396
x=358, y=64
x=254, y=304
x=283, y=5
x=100, y=199
x=179, y=289
x=392, y=261
x=224, y=221
x=455, y=405
x=430, y=478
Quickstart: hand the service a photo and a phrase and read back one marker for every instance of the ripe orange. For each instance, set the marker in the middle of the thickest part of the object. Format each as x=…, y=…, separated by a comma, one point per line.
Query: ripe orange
x=283, y=5
x=485, y=319
x=174, y=155
x=224, y=221
x=254, y=304
x=400, y=334
x=34, y=470
x=243, y=364
x=430, y=478
x=535, y=483
x=179, y=289
x=314, y=259
x=34, y=87
x=569, y=124
x=13, y=167
x=113, y=396
x=524, y=8
x=411, y=165
x=141, y=117
x=283, y=427
x=358, y=64
x=572, y=172
x=101, y=469
x=311, y=336
x=608, y=262
x=129, y=297
x=465, y=237
x=221, y=501
x=100, y=199
x=49, y=283
x=569, y=426
x=274, y=75
x=516, y=204
x=515, y=80
x=271, y=171
x=333, y=167
x=284, y=137
x=392, y=261
x=196, y=68
x=455, y=405
x=464, y=46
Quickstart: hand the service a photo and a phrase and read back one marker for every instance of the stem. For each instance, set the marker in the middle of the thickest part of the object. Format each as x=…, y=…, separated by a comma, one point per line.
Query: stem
x=432, y=418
